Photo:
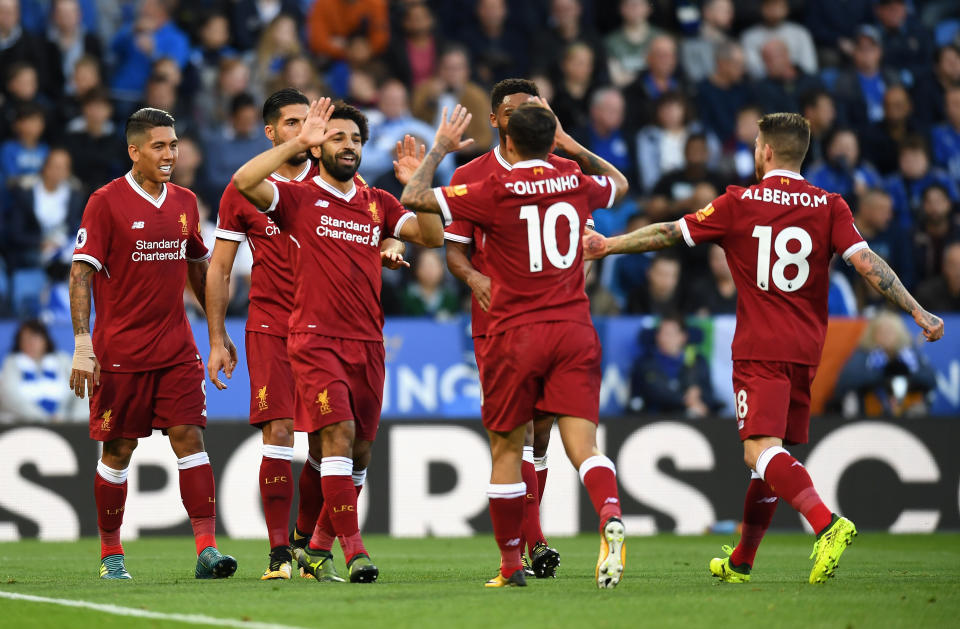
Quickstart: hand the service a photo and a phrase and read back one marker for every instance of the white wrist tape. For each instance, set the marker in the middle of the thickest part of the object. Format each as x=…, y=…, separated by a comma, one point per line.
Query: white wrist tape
x=83, y=357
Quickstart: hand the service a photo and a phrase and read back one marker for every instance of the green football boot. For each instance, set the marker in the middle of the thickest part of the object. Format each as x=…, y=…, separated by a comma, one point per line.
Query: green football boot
x=830, y=544
x=721, y=568
x=212, y=564
x=317, y=564
x=112, y=567
x=362, y=570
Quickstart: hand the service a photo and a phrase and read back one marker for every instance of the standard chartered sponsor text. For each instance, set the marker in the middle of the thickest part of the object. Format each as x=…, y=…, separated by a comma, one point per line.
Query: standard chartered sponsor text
x=348, y=230
x=159, y=250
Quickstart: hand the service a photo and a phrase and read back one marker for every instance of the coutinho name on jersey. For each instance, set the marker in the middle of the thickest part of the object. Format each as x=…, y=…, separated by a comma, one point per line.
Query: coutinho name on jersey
x=350, y=231
x=775, y=195
x=159, y=250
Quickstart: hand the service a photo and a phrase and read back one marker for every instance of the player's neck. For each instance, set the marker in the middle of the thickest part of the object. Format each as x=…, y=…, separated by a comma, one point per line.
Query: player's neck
x=153, y=188
x=794, y=168
x=342, y=186
x=291, y=171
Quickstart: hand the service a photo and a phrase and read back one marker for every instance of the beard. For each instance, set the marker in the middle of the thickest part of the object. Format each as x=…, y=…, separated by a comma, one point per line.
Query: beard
x=338, y=171
x=298, y=159
x=758, y=171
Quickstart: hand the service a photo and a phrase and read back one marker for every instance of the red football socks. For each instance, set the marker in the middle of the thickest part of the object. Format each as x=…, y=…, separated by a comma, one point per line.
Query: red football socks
x=276, y=495
x=311, y=496
x=758, y=509
x=789, y=480
x=340, y=499
x=110, y=494
x=506, y=513
x=600, y=478
x=199, y=498
x=323, y=533
x=532, y=533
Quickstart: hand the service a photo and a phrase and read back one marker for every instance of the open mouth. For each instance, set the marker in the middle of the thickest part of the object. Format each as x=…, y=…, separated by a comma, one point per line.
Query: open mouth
x=166, y=168
x=348, y=159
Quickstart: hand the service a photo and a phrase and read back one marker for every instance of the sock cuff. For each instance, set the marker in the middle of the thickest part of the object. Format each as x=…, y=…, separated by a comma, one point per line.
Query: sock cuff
x=336, y=466
x=754, y=475
x=284, y=453
x=193, y=460
x=312, y=462
x=597, y=460
x=512, y=490
x=115, y=477
x=540, y=463
x=765, y=457
x=359, y=478
x=528, y=454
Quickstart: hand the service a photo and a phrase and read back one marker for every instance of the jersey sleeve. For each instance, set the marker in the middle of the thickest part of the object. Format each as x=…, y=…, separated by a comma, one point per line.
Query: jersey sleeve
x=284, y=201
x=844, y=237
x=94, y=235
x=196, y=250
x=458, y=231
x=471, y=202
x=599, y=190
x=709, y=224
x=230, y=221
x=395, y=214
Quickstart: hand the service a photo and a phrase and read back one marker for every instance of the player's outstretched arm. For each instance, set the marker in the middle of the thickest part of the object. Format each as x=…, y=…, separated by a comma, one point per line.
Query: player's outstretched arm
x=649, y=238
x=417, y=194
x=878, y=274
x=458, y=261
x=85, y=374
x=217, y=297
x=251, y=178
x=391, y=254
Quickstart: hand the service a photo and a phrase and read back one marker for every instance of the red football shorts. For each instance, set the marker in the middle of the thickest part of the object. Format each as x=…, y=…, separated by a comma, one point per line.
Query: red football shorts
x=272, y=387
x=552, y=367
x=132, y=405
x=479, y=347
x=338, y=380
x=773, y=399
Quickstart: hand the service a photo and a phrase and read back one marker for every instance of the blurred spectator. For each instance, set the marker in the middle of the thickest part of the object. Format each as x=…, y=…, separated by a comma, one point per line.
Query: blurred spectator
x=874, y=219
x=860, y=89
x=452, y=85
x=671, y=377
x=715, y=293
x=843, y=171
x=98, y=150
x=659, y=78
x=212, y=105
x=248, y=18
x=946, y=136
x=427, y=295
x=151, y=36
x=937, y=228
x=70, y=40
x=16, y=44
x=724, y=92
x=22, y=90
x=577, y=82
x=907, y=44
x=623, y=275
x=678, y=185
x=698, y=55
x=188, y=171
x=565, y=27
x=212, y=47
x=161, y=93
x=833, y=25
x=627, y=46
x=498, y=45
x=886, y=375
x=85, y=76
x=414, y=53
x=881, y=140
x=775, y=27
x=34, y=385
x=330, y=23
x=661, y=146
x=362, y=89
x=229, y=146
x=915, y=175
x=388, y=125
x=278, y=41
x=742, y=162
x=783, y=84
x=818, y=107
x=297, y=72
x=660, y=295
x=930, y=90
x=24, y=153
x=942, y=293
x=44, y=215
x=604, y=133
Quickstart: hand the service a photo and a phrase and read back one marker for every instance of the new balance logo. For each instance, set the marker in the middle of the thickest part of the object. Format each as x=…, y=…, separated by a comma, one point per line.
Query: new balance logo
x=322, y=203
x=137, y=225
x=796, y=463
x=513, y=542
x=770, y=500
x=610, y=501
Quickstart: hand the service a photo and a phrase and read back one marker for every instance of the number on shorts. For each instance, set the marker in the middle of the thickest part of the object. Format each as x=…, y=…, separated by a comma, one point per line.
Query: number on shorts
x=764, y=233
x=742, y=404
x=539, y=240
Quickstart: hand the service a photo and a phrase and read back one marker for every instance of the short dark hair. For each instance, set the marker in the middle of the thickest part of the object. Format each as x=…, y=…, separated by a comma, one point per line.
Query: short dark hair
x=280, y=99
x=145, y=119
x=532, y=129
x=343, y=111
x=28, y=110
x=241, y=101
x=914, y=142
x=511, y=86
x=788, y=134
x=36, y=326
x=812, y=96
x=95, y=95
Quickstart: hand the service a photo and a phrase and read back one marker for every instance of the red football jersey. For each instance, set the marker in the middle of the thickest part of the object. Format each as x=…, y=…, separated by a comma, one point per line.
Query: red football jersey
x=779, y=237
x=533, y=217
x=271, y=279
x=142, y=246
x=477, y=169
x=337, y=261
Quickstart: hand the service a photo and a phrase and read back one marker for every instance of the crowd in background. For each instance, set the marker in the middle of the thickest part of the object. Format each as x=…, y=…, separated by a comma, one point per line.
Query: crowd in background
x=669, y=91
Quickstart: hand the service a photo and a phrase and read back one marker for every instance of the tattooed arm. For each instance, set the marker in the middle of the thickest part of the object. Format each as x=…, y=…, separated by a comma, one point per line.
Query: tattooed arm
x=417, y=194
x=649, y=238
x=879, y=275
x=85, y=374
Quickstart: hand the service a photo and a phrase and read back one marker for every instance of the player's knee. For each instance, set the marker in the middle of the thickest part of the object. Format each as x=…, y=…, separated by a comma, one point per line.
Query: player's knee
x=119, y=451
x=362, y=452
x=278, y=433
x=186, y=441
x=338, y=439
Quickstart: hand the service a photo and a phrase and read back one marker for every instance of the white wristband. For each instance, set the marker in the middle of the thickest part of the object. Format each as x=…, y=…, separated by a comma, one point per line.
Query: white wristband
x=83, y=356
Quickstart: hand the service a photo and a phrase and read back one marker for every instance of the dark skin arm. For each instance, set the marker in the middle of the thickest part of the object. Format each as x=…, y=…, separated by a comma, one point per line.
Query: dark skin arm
x=197, y=278
x=458, y=261
x=649, y=238
x=80, y=275
x=879, y=275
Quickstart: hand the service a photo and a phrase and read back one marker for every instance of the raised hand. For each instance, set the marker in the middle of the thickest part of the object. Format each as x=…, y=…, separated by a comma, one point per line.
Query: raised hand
x=314, y=131
x=408, y=158
x=451, y=129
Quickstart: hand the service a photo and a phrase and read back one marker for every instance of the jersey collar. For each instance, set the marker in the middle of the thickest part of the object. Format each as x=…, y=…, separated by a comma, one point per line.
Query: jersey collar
x=346, y=196
x=500, y=158
x=533, y=163
x=299, y=177
x=143, y=193
x=783, y=172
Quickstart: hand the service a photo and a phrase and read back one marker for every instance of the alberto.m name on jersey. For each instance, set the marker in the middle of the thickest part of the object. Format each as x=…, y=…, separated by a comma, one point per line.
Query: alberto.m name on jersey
x=351, y=231
x=159, y=250
x=782, y=197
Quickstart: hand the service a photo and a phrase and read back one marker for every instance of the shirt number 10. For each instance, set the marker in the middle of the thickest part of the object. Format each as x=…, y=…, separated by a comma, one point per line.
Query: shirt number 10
x=540, y=240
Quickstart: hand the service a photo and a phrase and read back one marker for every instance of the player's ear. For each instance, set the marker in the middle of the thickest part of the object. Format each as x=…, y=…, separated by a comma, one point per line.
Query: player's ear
x=268, y=131
x=493, y=120
x=134, y=152
x=315, y=152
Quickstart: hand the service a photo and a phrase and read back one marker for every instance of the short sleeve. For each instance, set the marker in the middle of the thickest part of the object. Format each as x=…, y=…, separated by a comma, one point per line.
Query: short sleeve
x=395, y=215
x=284, y=201
x=94, y=236
x=599, y=190
x=471, y=202
x=196, y=250
x=459, y=231
x=230, y=220
x=844, y=237
x=709, y=224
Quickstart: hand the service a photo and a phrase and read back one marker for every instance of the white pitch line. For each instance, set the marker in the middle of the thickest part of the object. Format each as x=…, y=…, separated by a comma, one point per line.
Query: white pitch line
x=193, y=619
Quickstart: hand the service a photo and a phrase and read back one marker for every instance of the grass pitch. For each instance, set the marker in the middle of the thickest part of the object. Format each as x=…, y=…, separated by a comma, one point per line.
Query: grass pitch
x=883, y=581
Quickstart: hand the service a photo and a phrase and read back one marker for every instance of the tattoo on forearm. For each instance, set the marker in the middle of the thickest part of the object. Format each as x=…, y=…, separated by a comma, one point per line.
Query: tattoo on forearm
x=649, y=238
x=879, y=274
x=592, y=164
x=418, y=194
x=80, y=297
